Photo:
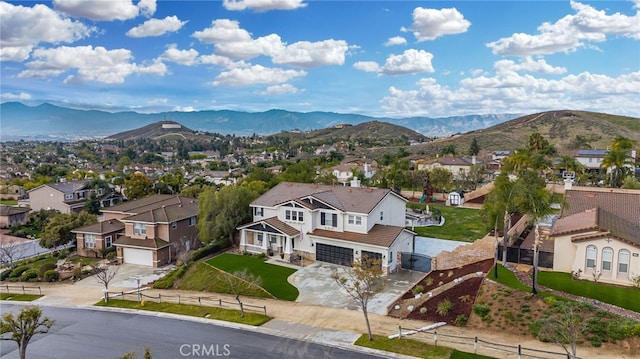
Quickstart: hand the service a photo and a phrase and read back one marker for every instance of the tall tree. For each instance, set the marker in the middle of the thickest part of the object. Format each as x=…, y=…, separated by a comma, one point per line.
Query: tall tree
x=474, y=147
x=534, y=200
x=57, y=231
x=138, y=186
x=220, y=212
x=362, y=282
x=240, y=283
x=441, y=178
x=24, y=326
x=618, y=164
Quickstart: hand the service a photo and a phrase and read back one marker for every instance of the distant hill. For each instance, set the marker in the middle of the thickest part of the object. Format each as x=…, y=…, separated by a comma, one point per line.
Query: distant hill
x=155, y=130
x=559, y=127
x=47, y=121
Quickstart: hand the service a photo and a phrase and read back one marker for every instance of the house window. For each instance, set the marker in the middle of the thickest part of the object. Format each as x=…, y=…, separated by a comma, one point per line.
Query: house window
x=357, y=220
x=607, y=258
x=381, y=216
x=100, y=191
x=139, y=229
x=80, y=195
x=68, y=196
x=260, y=238
x=297, y=216
x=174, y=225
x=258, y=211
x=591, y=256
x=623, y=261
x=107, y=241
x=390, y=256
x=329, y=219
x=273, y=238
x=89, y=240
x=192, y=221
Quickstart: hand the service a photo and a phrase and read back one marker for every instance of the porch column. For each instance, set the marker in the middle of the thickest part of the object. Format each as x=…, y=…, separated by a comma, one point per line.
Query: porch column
x=287, y=245
x=243, y=238
x=265, y=240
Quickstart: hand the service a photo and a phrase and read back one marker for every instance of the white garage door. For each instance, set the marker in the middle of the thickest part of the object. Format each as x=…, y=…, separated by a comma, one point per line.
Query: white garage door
x=138, y=256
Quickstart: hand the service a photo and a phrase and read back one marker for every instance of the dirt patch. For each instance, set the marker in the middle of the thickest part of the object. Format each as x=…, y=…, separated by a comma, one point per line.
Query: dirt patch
x=461, y=299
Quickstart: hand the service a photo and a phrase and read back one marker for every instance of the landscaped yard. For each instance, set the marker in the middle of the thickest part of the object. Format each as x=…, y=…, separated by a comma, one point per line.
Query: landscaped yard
x=228, y=315
x=461, y=224
x=624, y=297
x=205, y=277
x=274, y=277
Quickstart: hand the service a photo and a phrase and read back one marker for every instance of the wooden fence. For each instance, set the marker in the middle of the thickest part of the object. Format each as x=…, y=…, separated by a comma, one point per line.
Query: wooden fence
x=476, y=343
x=139, y=296
x=21, y=288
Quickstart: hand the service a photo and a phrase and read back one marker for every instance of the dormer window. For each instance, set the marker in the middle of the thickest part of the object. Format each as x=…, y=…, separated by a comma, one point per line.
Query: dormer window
x=139, y=229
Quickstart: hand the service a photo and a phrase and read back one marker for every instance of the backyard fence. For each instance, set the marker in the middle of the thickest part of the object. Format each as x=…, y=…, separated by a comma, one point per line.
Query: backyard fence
x=477, y=344
x=139, y=296
x=415, y=261
x=525, y=256
x=21, y=288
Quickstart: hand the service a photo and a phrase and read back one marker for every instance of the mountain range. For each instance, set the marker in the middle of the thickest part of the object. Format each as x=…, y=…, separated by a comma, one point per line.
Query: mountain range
x=50, y=122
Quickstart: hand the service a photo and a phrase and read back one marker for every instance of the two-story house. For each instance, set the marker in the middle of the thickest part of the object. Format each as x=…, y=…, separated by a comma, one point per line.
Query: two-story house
x=12, y=215
x=149, y=231
x=458, y=166
x=68, y=197
x=334, y=224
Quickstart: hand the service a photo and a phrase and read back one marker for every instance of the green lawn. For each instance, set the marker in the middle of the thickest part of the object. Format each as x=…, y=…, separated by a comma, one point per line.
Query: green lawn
x=274, y=277
x=204, y=277
x=625, y=297
x=9, y=202
x=228, y=315
x=414, y=348
x=19, y=297
x=461, y=224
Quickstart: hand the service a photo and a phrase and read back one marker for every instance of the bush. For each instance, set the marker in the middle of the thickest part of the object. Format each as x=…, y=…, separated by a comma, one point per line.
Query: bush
x=418, y=289
x=481, y=309
x=209, y=250
x=29, y=276
x=50, y=275
x=461, y=320
x=5, y=274
x=111, y=256
x=46, y=267
x=444, y=307
x=423, y=310
x=17, y=271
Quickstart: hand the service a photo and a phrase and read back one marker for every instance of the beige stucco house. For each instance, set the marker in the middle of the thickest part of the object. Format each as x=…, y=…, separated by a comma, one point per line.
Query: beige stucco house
x=68, y=197
x=598, y=235
x=334, y=224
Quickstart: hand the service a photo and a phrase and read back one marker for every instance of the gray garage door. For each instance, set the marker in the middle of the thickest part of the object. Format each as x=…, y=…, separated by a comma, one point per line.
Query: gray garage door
x=334, y=254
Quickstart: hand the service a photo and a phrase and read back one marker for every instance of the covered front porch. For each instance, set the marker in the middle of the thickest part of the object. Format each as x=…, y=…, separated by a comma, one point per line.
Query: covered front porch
x=272, y=239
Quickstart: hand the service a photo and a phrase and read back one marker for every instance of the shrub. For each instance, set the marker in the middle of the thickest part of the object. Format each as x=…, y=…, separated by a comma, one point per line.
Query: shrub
x=465, y=298
x=209, y=250
x=461, y=320
x=481, y=309
x=29, y=275
x=50, y=275
x=46, y=267
x=418, y=289
x=5, y=274
x=444, y=307
x=111, y=256
x=17, y=271
x=423, y=310
x=429, y=281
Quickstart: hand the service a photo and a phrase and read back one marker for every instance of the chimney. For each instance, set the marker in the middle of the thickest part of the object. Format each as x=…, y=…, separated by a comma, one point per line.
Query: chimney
x=568, y=184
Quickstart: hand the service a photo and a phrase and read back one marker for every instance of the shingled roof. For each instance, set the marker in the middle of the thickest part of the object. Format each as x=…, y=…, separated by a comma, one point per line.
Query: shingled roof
x=153, y=203
x=101, y=227
x=379, y=235
x=598, y=221
x=622, y=203
x=347, y=199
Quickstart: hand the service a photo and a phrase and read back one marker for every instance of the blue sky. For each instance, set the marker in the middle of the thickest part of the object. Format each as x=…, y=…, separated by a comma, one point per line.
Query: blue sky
x=377, y=58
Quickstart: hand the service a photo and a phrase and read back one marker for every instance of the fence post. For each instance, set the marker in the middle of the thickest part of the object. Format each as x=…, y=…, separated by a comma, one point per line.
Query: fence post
x=179, y=299
x=39, y=290
x=519, y=351
x=475, y=346
x=160, y=297
x=399, y=331
x=220, y=300
x=199, y=302
x=265, y=310
x=23, y=291
x=435, y=337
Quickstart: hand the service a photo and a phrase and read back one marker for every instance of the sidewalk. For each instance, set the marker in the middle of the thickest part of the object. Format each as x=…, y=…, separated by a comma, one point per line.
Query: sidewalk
x=333, y=326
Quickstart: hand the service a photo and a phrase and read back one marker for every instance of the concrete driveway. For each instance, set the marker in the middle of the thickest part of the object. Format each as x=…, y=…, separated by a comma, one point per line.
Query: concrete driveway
x=317, y=287
x=127, y=276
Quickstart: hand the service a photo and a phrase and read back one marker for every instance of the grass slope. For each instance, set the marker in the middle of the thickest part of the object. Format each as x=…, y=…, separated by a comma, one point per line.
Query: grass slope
x=203, y=277
x=274, y=277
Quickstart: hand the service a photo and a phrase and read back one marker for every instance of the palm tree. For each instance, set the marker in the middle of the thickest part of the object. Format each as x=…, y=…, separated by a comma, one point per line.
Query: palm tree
x=534, y=200
x=616, y=162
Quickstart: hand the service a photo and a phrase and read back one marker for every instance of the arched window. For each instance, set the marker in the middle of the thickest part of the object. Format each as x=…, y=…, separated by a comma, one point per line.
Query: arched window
x=607, y=258
x=591, y=256
x=623, y=261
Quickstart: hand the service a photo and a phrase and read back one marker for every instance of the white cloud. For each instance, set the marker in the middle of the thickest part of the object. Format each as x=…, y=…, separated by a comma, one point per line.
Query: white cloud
x=280, y=90
x=510, y=92
x=147, y=7
x=230, y=40
x=255, y=74
x=396, y=40
x=411, y=61
x=86, y=63
x=429, y=24
x=367, y=66
x=157, y=27
x=12, y=96
x=312, y=54
x=183, y=108
x=528, y=65
x=98, y=10
x=21, y=28
x=182, y=57
x=263, y=5
x=569, y=33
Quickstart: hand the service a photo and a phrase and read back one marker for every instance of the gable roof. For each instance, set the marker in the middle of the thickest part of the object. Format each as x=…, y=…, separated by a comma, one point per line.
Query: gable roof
x=149, y=203
x=12, y=210
x=622, y=203
x=64, y=187
x=274, y=223
x=101, y=227
x=347, y=199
